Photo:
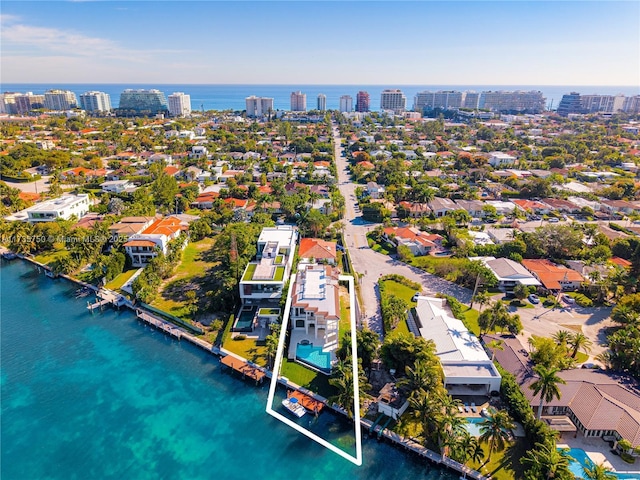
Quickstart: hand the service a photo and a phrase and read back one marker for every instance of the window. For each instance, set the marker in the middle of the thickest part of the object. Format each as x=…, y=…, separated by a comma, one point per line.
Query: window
x=299, y=323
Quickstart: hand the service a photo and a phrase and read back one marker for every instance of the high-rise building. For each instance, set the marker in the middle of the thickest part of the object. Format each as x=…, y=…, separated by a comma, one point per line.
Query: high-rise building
x=471, y=100
x=179, y=104
x=95, y=101
x=570, y=103
x=519, y=101
x=24, y=103
x=322, y=102
x=258, y=106
x=142, y=102
x=8, y=102
x=440, y=99
x=298, y=101
x=346, y=103
x=60, y=100
x=362, y=101
x=393, y=99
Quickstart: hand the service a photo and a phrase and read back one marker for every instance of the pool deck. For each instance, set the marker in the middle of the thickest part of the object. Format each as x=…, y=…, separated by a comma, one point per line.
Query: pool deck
x=598, y=451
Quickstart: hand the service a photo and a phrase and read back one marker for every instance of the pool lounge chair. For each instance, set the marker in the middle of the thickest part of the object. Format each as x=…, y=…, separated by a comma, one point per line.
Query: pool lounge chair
x=466, y=407
x=473, y=408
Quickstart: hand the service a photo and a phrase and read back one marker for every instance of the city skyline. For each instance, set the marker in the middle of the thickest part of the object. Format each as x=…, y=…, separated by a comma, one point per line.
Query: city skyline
x=484, y=43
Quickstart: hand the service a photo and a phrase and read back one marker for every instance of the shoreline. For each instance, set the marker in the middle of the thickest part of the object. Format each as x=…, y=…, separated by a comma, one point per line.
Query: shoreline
x=396, y=440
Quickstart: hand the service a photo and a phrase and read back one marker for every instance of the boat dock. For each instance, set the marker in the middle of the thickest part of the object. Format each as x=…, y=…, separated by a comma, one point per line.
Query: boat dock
x=106, y=297
x=160, y=324
x=308, y=402
x=247, y=370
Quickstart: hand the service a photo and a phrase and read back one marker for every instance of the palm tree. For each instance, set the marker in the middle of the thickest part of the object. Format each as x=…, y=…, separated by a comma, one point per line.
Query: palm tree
x=546, y=385
x=493, y=346
x=579, y=341
x=598, y=472
x=562, y=336
x=482, y=298
x=496, y=430
x=421, y=377
x=547, y=462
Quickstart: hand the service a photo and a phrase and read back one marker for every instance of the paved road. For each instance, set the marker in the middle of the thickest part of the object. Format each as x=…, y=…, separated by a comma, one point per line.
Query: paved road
x=372, y=265
x=39, y=186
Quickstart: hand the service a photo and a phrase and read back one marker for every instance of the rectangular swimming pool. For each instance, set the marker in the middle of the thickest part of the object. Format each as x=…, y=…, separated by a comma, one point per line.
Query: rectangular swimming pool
x=473, y=425
x=314, y=357
x=244, y=322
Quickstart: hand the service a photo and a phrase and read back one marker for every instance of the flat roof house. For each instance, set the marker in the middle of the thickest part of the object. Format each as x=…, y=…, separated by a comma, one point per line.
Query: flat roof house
x=315, y=309
x=63, y=207
x=467, y=368
x=264, y=278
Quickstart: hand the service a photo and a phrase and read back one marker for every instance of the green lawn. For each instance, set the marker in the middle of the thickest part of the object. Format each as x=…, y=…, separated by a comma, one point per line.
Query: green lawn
x=307, y=378
x=249, y=349
x=120, y=280
x=505, y=464
x=191, y=274
x=471, y=321
x=384, y=248
x=50, y=257
x=396, y=289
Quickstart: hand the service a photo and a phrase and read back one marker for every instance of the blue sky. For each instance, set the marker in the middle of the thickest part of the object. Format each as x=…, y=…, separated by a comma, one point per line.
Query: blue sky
x=322, y=42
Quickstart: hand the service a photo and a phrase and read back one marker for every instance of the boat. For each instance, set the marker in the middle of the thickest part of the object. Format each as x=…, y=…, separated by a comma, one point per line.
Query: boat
x=294, y=407
x=9, y=255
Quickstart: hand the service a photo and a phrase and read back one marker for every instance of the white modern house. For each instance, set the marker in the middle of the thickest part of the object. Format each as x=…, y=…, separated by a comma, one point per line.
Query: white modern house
x=116, y=186
x=315, y=305
x=467, y=368
x=63, y=207
x=264, y=278
x=497, y=159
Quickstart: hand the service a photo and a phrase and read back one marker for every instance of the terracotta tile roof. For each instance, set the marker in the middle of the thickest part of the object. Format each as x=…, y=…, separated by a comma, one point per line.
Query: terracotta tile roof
x=139, y=243
x=317, y=248
x=164, y=226
x=171, y=170
x=620, y=261
x=551, y=274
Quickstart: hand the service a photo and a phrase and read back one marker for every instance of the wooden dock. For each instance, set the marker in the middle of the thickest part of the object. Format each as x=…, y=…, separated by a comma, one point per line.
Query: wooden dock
x=160, y=324
x=308, y=402
x=244, y=368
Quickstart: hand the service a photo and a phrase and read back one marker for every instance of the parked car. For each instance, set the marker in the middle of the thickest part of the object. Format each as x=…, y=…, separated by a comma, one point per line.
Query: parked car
x=553, y=220
x=415, y=296
x=533, y=298
x=568, y=299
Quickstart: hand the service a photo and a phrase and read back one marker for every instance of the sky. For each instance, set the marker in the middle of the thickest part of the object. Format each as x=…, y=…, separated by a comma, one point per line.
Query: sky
x=321, y=42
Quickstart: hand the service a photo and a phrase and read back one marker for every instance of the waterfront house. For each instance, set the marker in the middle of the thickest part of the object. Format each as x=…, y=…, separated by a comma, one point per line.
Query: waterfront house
x=63, y=207
x=466, y=366
x=263, y=279
x=144, y=246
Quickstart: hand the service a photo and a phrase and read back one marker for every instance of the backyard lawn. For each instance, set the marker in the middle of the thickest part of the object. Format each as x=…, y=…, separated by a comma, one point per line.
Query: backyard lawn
x=504, y=464
x=50, y=257
x=191, y=274
x=249, y=349
x=393, y=288
x=307, y=378
x=120, y=280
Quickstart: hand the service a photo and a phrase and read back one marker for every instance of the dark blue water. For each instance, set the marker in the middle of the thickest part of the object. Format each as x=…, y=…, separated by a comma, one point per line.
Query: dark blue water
x=232, y=97
x=103, y=397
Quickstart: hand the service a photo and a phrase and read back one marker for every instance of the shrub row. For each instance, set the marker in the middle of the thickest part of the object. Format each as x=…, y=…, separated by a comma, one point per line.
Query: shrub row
x=402, y=280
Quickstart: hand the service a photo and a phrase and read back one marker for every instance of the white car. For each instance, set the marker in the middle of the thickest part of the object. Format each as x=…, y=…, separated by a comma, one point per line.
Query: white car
x=415, y=296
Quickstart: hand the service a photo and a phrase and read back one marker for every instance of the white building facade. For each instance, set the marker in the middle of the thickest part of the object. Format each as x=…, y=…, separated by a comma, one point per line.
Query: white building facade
x=95, y=101
x=393, y=99
x=179, y=104
x=63, y=208
x=346, y=103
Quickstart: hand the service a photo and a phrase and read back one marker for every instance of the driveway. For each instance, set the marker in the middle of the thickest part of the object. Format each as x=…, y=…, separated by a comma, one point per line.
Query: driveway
x=39, y=186
x=372, y=265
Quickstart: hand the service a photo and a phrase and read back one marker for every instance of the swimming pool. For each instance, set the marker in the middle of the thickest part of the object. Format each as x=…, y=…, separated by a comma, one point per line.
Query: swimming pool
x=245, y=320
x=473, y=425
x=314, y=357
x=581, y=459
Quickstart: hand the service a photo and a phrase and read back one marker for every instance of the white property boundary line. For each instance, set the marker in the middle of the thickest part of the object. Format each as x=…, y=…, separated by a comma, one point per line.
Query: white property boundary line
x=354, y=356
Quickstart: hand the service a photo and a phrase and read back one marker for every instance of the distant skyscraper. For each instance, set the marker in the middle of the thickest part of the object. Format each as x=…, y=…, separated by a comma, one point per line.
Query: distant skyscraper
x=393, y=100
x=445, y=99
x=322, y=102
x=346, y=103
x=501, y=101
x=471, y=100
x=27, y=102
x=258, y=106
x=570, y=103
x=298, y=101
x=8, y=102
x=362, y=102
x=179, y=104
x=95, y=102
x=144, y=102
x=60, y=100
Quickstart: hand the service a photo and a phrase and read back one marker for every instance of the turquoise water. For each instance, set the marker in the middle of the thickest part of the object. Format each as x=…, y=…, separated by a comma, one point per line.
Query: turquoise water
x=245, y=321
x=104, y=397
x=473, y=425
x=314, y=356
x=580, y=459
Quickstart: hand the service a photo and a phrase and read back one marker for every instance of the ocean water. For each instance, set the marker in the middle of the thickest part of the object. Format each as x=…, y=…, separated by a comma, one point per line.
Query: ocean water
x=225, y=97
x=103, y=397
